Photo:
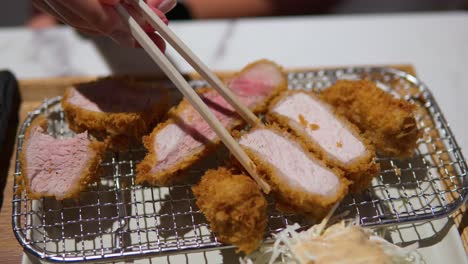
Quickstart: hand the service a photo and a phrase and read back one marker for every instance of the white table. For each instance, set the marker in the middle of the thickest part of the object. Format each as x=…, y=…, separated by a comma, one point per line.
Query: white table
x=436, y=44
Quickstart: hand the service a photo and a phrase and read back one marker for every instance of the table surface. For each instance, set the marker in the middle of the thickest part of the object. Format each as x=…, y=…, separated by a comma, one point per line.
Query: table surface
x=434, y=43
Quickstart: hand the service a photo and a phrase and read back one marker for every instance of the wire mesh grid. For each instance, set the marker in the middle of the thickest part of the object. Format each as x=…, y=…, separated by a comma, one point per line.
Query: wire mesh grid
x=115, y=218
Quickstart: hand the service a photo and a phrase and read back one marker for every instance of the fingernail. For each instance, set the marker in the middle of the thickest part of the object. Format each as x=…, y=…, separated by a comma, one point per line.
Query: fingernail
x=167, y=5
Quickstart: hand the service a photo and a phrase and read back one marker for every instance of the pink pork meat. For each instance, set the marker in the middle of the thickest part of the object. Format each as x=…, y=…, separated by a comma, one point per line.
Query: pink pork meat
x=300, y=182
x=59, y=168
x=330, y=136
x=185, y=137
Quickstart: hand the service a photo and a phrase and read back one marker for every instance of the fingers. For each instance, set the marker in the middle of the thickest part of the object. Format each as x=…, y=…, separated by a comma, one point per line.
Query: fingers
x=148, y=28
x=56, y=11
x=88, y=31
x=123, y=38
x=100, y=16
x=80, y=15
x=163, y=5
x=109, y=2
x=158, y=41
x=160, y=14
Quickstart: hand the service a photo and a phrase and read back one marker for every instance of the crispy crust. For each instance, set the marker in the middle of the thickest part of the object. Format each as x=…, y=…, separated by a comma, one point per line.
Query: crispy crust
x=119, y=129
x=234, y=206
x=174, y=173
x=89, y=175
x=387, y=122
x=360, y=171
x=292, y=200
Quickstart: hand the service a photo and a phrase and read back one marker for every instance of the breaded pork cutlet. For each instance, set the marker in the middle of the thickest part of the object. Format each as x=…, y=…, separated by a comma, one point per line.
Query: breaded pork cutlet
x=234, y=206
x=330, y=136
x=300, y=182
x=119, y=110
x=388, y=122
x=60, y=168
x=185, y=137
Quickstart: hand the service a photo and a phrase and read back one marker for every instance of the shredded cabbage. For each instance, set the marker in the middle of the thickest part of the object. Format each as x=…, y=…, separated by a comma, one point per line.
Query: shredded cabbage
x=281, y=251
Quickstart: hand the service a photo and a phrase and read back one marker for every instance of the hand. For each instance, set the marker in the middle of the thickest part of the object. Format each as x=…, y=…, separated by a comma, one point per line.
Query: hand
x=101, y=17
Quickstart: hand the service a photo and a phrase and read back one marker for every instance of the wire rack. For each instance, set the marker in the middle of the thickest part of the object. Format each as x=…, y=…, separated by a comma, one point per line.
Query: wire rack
x=115, y=218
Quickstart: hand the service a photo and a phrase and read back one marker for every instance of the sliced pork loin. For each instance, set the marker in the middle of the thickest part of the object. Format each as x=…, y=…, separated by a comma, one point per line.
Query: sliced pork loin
x=300, y=182
x=59, y=168
x=118, y=109
x=330, y=136
x=185, y=137
x=388, y=122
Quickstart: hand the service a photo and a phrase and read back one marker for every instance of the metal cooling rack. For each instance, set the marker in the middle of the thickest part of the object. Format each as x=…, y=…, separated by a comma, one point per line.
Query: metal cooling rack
x=117, y=219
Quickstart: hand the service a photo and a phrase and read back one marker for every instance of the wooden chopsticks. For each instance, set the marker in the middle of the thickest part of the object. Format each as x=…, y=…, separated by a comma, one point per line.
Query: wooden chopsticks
x=196, y=63
x=181, y=84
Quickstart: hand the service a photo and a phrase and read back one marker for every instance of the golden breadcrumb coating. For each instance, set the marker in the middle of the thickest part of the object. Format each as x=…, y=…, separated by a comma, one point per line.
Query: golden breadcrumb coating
x=175, y=173
x=388, y=122
x=360, y=171
x=234, y=206
x=294, y=200
x=88, y=176
x=119, y=129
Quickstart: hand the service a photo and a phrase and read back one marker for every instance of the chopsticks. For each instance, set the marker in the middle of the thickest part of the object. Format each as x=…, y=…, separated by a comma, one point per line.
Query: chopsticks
x=196, y=63
x=181, y=84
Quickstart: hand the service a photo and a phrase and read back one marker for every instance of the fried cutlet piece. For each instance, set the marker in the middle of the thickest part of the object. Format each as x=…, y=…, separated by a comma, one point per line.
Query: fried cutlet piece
x=186, y=138
x=331, y=137
x=60, y=168
x=299, y=181
x=388, y=122
x=234, y=206
x=119, y=110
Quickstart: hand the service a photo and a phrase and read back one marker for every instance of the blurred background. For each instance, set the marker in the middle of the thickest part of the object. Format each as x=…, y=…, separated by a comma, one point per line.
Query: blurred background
x=21, y=12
